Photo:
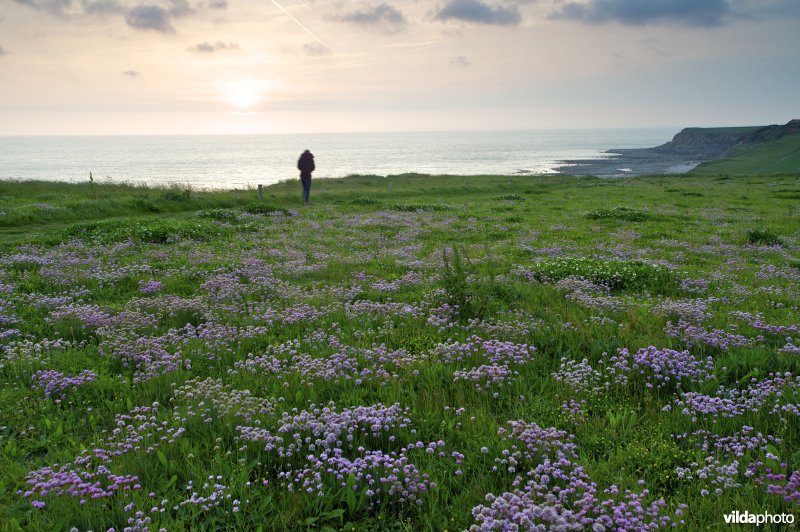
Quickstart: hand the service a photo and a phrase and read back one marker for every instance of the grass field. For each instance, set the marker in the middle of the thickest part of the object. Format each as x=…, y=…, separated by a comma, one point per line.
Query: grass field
x=406, y=353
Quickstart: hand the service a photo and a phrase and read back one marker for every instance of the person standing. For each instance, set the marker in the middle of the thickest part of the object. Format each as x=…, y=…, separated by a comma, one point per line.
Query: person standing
x=306, y=165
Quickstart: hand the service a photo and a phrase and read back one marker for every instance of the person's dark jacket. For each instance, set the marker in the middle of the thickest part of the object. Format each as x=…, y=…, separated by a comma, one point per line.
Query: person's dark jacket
x=306, y=165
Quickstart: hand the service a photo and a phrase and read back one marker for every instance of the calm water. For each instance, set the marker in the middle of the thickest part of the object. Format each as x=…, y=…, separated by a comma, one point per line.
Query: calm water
x=240, y=161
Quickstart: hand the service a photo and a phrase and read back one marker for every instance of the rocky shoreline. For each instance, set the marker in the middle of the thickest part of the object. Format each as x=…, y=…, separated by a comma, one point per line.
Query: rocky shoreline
x=630, y=162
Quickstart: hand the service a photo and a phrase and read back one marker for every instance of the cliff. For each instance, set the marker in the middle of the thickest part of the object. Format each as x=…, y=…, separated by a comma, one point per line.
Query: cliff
x=719, y=143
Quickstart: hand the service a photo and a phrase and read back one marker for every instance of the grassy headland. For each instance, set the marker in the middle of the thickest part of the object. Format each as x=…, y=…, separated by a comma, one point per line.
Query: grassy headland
x=781, y=156
x=410, y=352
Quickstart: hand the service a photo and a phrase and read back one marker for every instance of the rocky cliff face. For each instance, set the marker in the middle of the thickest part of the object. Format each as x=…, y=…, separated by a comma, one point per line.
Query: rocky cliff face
x=715, y=143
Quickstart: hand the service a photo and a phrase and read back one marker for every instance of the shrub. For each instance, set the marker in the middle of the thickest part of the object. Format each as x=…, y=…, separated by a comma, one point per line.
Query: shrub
x=617, y=274
x=510, y=197
x=763, y=237
x=467, y=293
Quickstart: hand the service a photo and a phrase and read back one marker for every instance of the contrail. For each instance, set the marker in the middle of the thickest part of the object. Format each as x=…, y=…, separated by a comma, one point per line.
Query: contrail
x=303, y=4
x=299, y=23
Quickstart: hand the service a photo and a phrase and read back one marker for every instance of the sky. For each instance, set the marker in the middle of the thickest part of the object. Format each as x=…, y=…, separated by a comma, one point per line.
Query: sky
x=96, y=67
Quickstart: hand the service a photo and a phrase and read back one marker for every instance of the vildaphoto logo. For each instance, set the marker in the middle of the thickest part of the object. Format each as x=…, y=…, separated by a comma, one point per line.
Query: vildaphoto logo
x=747, y=518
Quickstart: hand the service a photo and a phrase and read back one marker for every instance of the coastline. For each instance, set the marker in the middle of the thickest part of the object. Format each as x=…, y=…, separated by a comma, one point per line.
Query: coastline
x=630, y=162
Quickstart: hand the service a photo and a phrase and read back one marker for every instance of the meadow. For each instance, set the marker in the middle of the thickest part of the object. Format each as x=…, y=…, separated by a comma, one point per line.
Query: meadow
x=405, y=353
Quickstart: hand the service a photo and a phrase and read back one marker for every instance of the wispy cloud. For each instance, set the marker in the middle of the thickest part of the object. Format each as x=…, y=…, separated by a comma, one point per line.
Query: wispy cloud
x=209, y=48
x=2, y=51
x=132, y=73
x=102, y=7
x=384, y=18
x=58, y=8
x=460, y=60
x=477, y=12
x=316, y=49
x=693, y=13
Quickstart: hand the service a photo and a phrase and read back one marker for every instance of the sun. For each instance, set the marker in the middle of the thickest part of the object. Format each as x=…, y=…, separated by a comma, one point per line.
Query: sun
x=243, y=93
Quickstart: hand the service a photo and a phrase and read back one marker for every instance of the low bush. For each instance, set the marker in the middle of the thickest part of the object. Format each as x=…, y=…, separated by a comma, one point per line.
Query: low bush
x=617, y=274
x=763, y=237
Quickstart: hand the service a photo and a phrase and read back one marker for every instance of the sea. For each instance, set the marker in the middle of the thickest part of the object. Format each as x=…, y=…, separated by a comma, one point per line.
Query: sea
x=245, y=161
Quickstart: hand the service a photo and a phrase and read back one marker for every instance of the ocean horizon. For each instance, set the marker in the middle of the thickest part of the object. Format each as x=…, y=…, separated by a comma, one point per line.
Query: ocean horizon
x=242, y=161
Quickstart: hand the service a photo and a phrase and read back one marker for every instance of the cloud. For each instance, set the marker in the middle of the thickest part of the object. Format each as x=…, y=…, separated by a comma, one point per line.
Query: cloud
x=384, y=18
x=58, y=8
x=2, y=51
x=771, y=9
x=179, y=8
x=101, y=7
x=149, y=18
x=132, y=73
x=693, y=13
x=157, y=18
x=156, y=15
x=316, y=49
x=477, y=12
x=218, y=4
x=208, y=48
x=460, y=60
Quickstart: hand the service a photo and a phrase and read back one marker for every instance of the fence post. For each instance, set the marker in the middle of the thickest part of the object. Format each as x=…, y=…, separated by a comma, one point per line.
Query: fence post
x=260, y=192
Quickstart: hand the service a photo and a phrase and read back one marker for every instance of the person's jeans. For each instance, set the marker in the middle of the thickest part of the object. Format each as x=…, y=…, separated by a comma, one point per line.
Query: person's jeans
x=306, y=189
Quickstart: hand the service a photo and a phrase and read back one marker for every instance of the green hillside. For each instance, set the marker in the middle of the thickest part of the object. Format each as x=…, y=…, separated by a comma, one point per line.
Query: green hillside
x=780, y=156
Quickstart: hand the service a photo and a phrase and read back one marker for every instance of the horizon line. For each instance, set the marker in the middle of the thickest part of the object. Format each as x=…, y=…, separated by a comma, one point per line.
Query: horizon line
x=364, y=132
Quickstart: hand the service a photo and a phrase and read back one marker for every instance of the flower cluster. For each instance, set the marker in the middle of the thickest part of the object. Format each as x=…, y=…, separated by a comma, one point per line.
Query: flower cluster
x=30, y=352
x=580, y=376
x=77, y=480
x=574, y=411
x=214, y=399
x=687, y=310
x=91, y=316
x=730, y=402
x=493, y=351
x=735, y=445
x=776, y=482
x=57, y=384
x=692, y=335
x=486, y=376
x=150, y=286
x=148, y=356
x=660, y=367
x=559, y=494
x=219, y=494
x=325, y=449
x=713, y=474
